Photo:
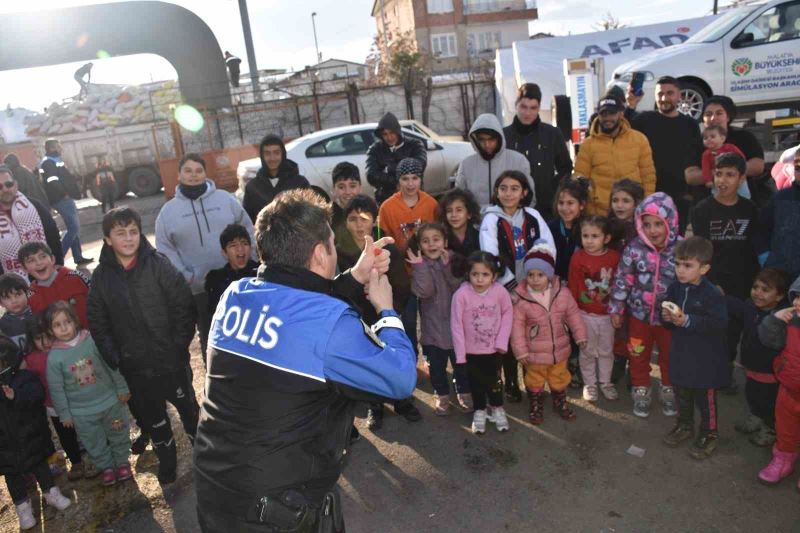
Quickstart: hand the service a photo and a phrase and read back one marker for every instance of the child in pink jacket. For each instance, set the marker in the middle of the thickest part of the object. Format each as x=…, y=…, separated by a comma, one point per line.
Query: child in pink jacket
x=539, y=337
x=480, y=322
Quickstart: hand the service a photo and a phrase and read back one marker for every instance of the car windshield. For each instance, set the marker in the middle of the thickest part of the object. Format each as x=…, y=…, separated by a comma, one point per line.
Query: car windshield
x=719, y=27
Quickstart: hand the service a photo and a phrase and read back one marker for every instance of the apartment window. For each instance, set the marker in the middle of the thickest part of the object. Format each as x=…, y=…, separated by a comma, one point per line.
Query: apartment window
x=482, y=6
x=444, y=45
x=440, y=6
x=486, y=41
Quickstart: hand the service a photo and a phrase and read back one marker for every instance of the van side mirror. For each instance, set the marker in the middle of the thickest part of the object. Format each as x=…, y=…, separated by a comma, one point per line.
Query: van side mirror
x=743, y=39
x=430, y=145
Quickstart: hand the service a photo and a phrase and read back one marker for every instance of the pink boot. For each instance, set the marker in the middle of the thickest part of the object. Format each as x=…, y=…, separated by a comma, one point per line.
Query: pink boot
x=782, y=465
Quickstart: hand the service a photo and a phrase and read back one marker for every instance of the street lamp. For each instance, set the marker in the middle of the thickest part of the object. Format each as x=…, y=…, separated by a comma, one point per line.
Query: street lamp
x=316, y=44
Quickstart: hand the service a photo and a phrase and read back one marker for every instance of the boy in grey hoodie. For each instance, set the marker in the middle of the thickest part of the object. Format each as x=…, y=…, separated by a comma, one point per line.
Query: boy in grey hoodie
x=478, y=172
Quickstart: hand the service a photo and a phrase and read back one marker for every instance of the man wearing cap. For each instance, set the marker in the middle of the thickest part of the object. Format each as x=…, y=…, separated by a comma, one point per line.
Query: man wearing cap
x=389, y=148
x=612, y=152
x=676, y=143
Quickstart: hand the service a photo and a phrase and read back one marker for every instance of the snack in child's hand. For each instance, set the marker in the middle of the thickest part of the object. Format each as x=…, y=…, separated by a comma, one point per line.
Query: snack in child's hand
x=671, y=308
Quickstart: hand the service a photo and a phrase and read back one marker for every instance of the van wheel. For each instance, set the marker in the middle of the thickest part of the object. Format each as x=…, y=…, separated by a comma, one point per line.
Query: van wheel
x=693, y=99
x=562, y=115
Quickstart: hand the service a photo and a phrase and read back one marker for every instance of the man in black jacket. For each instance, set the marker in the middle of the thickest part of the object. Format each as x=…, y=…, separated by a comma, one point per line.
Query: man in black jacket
x=18, y=225
x=289, y=359
x=142, y=318
x=62, y=188
x=277, y=174
x=542, y=144
x=29, y=184
x=389, y=148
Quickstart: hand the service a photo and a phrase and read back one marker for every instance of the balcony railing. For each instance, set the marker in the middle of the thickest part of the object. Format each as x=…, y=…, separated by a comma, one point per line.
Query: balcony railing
x=472, y=7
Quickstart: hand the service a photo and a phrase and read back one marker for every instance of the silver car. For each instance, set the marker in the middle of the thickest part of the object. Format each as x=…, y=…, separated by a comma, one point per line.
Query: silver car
x=317, y=153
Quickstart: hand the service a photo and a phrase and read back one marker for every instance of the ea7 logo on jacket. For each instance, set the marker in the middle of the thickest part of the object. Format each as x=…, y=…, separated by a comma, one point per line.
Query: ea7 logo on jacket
x=239, y=324
x=729, y=230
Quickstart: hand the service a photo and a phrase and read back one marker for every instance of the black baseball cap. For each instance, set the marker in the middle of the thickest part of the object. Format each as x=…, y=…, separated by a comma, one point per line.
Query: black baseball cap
x=610, y=102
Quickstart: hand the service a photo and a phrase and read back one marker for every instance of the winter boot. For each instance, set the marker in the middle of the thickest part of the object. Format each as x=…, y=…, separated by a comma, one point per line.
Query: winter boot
x=781, y=466
x=536, y=403
x=561, y=406
x=25, y=514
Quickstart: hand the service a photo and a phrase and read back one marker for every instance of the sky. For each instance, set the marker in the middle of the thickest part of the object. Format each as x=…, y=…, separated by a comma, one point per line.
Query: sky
x=283, y=37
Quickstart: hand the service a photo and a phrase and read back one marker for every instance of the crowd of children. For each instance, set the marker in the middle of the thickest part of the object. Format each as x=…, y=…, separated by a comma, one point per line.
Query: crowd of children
x=571, y=301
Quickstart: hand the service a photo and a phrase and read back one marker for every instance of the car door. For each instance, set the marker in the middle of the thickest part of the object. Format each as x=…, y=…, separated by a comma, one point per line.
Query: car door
x=763, y=58
x=330, y=151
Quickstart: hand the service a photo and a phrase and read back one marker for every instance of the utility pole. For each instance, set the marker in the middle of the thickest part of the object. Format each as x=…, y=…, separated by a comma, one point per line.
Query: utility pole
x=316, y=44
x=248, y=44
x=716, y=6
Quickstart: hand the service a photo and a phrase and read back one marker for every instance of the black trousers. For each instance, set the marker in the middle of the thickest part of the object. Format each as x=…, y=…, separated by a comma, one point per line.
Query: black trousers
x=761, y=399
x=510, y=370
x=18, y=488
x=203, y=323
x=150, y=395
x=734, y=335
x=68, y=439
x=706, y=402
x=484, y=380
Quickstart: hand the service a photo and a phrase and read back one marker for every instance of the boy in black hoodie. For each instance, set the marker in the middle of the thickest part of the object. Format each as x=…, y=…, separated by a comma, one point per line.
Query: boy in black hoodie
x=390, y=147
x=236, y=248
x=277, y=174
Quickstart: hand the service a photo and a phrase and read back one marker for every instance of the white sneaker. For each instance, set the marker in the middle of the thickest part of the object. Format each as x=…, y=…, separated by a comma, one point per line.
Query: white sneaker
x=609, y=391
x=641, y=401
x=25, y=514
x=500, y=419
x=668, y=401
x=590, y=393
x=54, y=498
x=479, y=421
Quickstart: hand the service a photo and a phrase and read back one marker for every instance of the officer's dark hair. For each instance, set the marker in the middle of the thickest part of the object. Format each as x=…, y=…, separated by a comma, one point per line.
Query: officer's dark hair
x=233, y=232
x=669, y=80
x=529, y=90
x=361, y=203
x=191, y=156
x=697, y=248
x=32, y=248
x=289, y=228
x=120, y=216
x=486, y=259
x=11, y=284
x=731, y=160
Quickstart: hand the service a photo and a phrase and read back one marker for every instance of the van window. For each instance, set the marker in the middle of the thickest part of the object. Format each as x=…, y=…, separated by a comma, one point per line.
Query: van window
x=779, y=23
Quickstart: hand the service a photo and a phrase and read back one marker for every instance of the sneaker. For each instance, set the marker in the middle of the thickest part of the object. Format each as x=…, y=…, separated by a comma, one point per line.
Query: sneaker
x=679, y=434
x=84, y=261
x=441, y=405
x=109, y=477
x=90, y=471
x=749, y=425
x=667, y=397
x=590, y=393
x=500, y=419
x=764, y=437
x=124, y=472
x=54, y=498
x=25, y=514
x=479, y=422
x=609, y=391
x=75, y=472
x=374, y=419
x=641, y=401
x=465, y=402
x=704, y=446
x=407, y=410
x=140, y=444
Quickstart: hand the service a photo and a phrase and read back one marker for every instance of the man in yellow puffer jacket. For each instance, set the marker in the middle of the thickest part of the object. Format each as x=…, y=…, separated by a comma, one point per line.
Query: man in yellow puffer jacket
x=612, y=152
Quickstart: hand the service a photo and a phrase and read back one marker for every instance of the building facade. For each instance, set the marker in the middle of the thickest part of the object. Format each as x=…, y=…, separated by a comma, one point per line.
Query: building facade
x=456, y=33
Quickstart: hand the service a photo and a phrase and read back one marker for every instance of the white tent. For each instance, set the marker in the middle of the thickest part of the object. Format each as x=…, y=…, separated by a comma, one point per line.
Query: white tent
x=540, y=61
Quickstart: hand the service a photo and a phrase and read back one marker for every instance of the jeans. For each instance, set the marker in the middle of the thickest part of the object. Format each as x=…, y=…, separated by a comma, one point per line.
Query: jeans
x=437, y=360
x=72, y=239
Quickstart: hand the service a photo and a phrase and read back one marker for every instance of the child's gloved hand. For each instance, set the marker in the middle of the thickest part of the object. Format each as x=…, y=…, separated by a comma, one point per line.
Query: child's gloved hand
x=8, y=391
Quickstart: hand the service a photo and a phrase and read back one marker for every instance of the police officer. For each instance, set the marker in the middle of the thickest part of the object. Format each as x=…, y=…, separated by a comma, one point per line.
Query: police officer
x=289, y=358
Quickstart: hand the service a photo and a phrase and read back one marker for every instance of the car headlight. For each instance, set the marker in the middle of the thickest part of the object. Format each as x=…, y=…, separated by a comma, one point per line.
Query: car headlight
x=628, y=76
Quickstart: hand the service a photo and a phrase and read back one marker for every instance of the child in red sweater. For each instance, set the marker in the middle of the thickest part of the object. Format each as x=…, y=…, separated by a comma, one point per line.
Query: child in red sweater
x=52, y=282
x=591, y=272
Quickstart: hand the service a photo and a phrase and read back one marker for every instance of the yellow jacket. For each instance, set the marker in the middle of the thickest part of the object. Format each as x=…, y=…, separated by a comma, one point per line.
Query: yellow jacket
x=605, y=159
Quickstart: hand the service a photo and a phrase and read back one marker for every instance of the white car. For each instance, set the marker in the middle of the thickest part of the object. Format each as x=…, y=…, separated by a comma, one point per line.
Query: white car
x=751, y=53
x=317, y=153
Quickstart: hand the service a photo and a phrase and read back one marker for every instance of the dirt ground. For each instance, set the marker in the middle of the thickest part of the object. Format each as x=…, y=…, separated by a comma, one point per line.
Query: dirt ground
x=436, y=476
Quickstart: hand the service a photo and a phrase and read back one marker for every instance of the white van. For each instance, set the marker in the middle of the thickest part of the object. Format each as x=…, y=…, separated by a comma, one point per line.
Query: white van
x=750, y=53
